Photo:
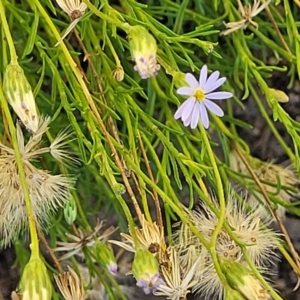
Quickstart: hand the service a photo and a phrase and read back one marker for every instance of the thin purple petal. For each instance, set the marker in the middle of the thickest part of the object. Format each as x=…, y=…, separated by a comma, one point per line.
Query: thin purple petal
x=203, y=77
x=195, y=116
x=185, y=109
x=214, y=85
x=211, y=79
x=187, y=122
x=186, y=91
x=191, y=80
x=144, y=284
x=214, y=108
x=203, y=115
x=181, y=108
x=187, y=112
x=218, y=95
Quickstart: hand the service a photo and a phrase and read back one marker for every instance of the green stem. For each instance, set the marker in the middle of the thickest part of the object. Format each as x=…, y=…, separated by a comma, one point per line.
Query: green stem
x=87, y=94
x=12, y=50
x=113, y=52
x=222, y=205
x=270, y=290
x=31, y=218
x=265, y=115
x=131, y=225
x=175, y=207
x=106, y=17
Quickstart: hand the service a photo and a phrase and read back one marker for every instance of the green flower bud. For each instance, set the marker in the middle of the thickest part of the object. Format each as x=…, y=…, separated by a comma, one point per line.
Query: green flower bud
x=231, y=294
x=70, y=211
x=19, y=95
x=145, y=270
x=106, y=256
x=118, y=73
x=179, y=79
x=143, y=50
x=241, y=279
x=35, y=283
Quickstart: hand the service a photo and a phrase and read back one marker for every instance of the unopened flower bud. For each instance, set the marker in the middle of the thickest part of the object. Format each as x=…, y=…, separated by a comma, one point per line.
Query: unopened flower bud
x=35, y=283
x=70, y=211
x=279, y=95
x=242, y=280
x=145, y=270
x=19, y=95
x=231, y=294
x=14, y=296
x=143, y=50
x=179, y=79
x=106, y=256
x=118, y=73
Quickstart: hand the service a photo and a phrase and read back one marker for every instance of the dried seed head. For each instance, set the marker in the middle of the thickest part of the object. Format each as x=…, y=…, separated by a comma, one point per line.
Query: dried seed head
x=58, y=147
x=180, y=277
x=259, y=242
x=280, y=182
x=70, y=285
x=47, y=192
x=19, y=95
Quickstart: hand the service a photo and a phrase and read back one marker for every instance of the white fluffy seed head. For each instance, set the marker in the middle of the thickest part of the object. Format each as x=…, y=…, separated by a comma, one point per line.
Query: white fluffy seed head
x=258, y=240
x=47, y=192
x=280, y=182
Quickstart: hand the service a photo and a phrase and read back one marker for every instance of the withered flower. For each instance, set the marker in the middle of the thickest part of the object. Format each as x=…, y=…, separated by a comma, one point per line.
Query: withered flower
x=150, y=237
x=75, y=9
x=280, y=182
x=247, y=14
x=80, y=240
x=70, y=285
x=179, y=279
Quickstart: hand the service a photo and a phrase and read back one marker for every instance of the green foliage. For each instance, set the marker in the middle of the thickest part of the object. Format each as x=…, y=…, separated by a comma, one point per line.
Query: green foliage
x=132, y=151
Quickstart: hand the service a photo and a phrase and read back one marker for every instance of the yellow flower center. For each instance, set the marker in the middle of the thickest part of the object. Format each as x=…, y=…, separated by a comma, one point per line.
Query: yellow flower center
x=199, y=95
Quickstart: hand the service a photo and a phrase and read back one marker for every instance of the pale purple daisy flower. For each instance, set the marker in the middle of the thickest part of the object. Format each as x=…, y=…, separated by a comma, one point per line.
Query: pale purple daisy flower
x=194, y=109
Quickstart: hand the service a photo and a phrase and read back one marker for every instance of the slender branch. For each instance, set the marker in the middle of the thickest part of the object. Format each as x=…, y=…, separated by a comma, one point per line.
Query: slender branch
x=269, y=203
x=12, y=50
